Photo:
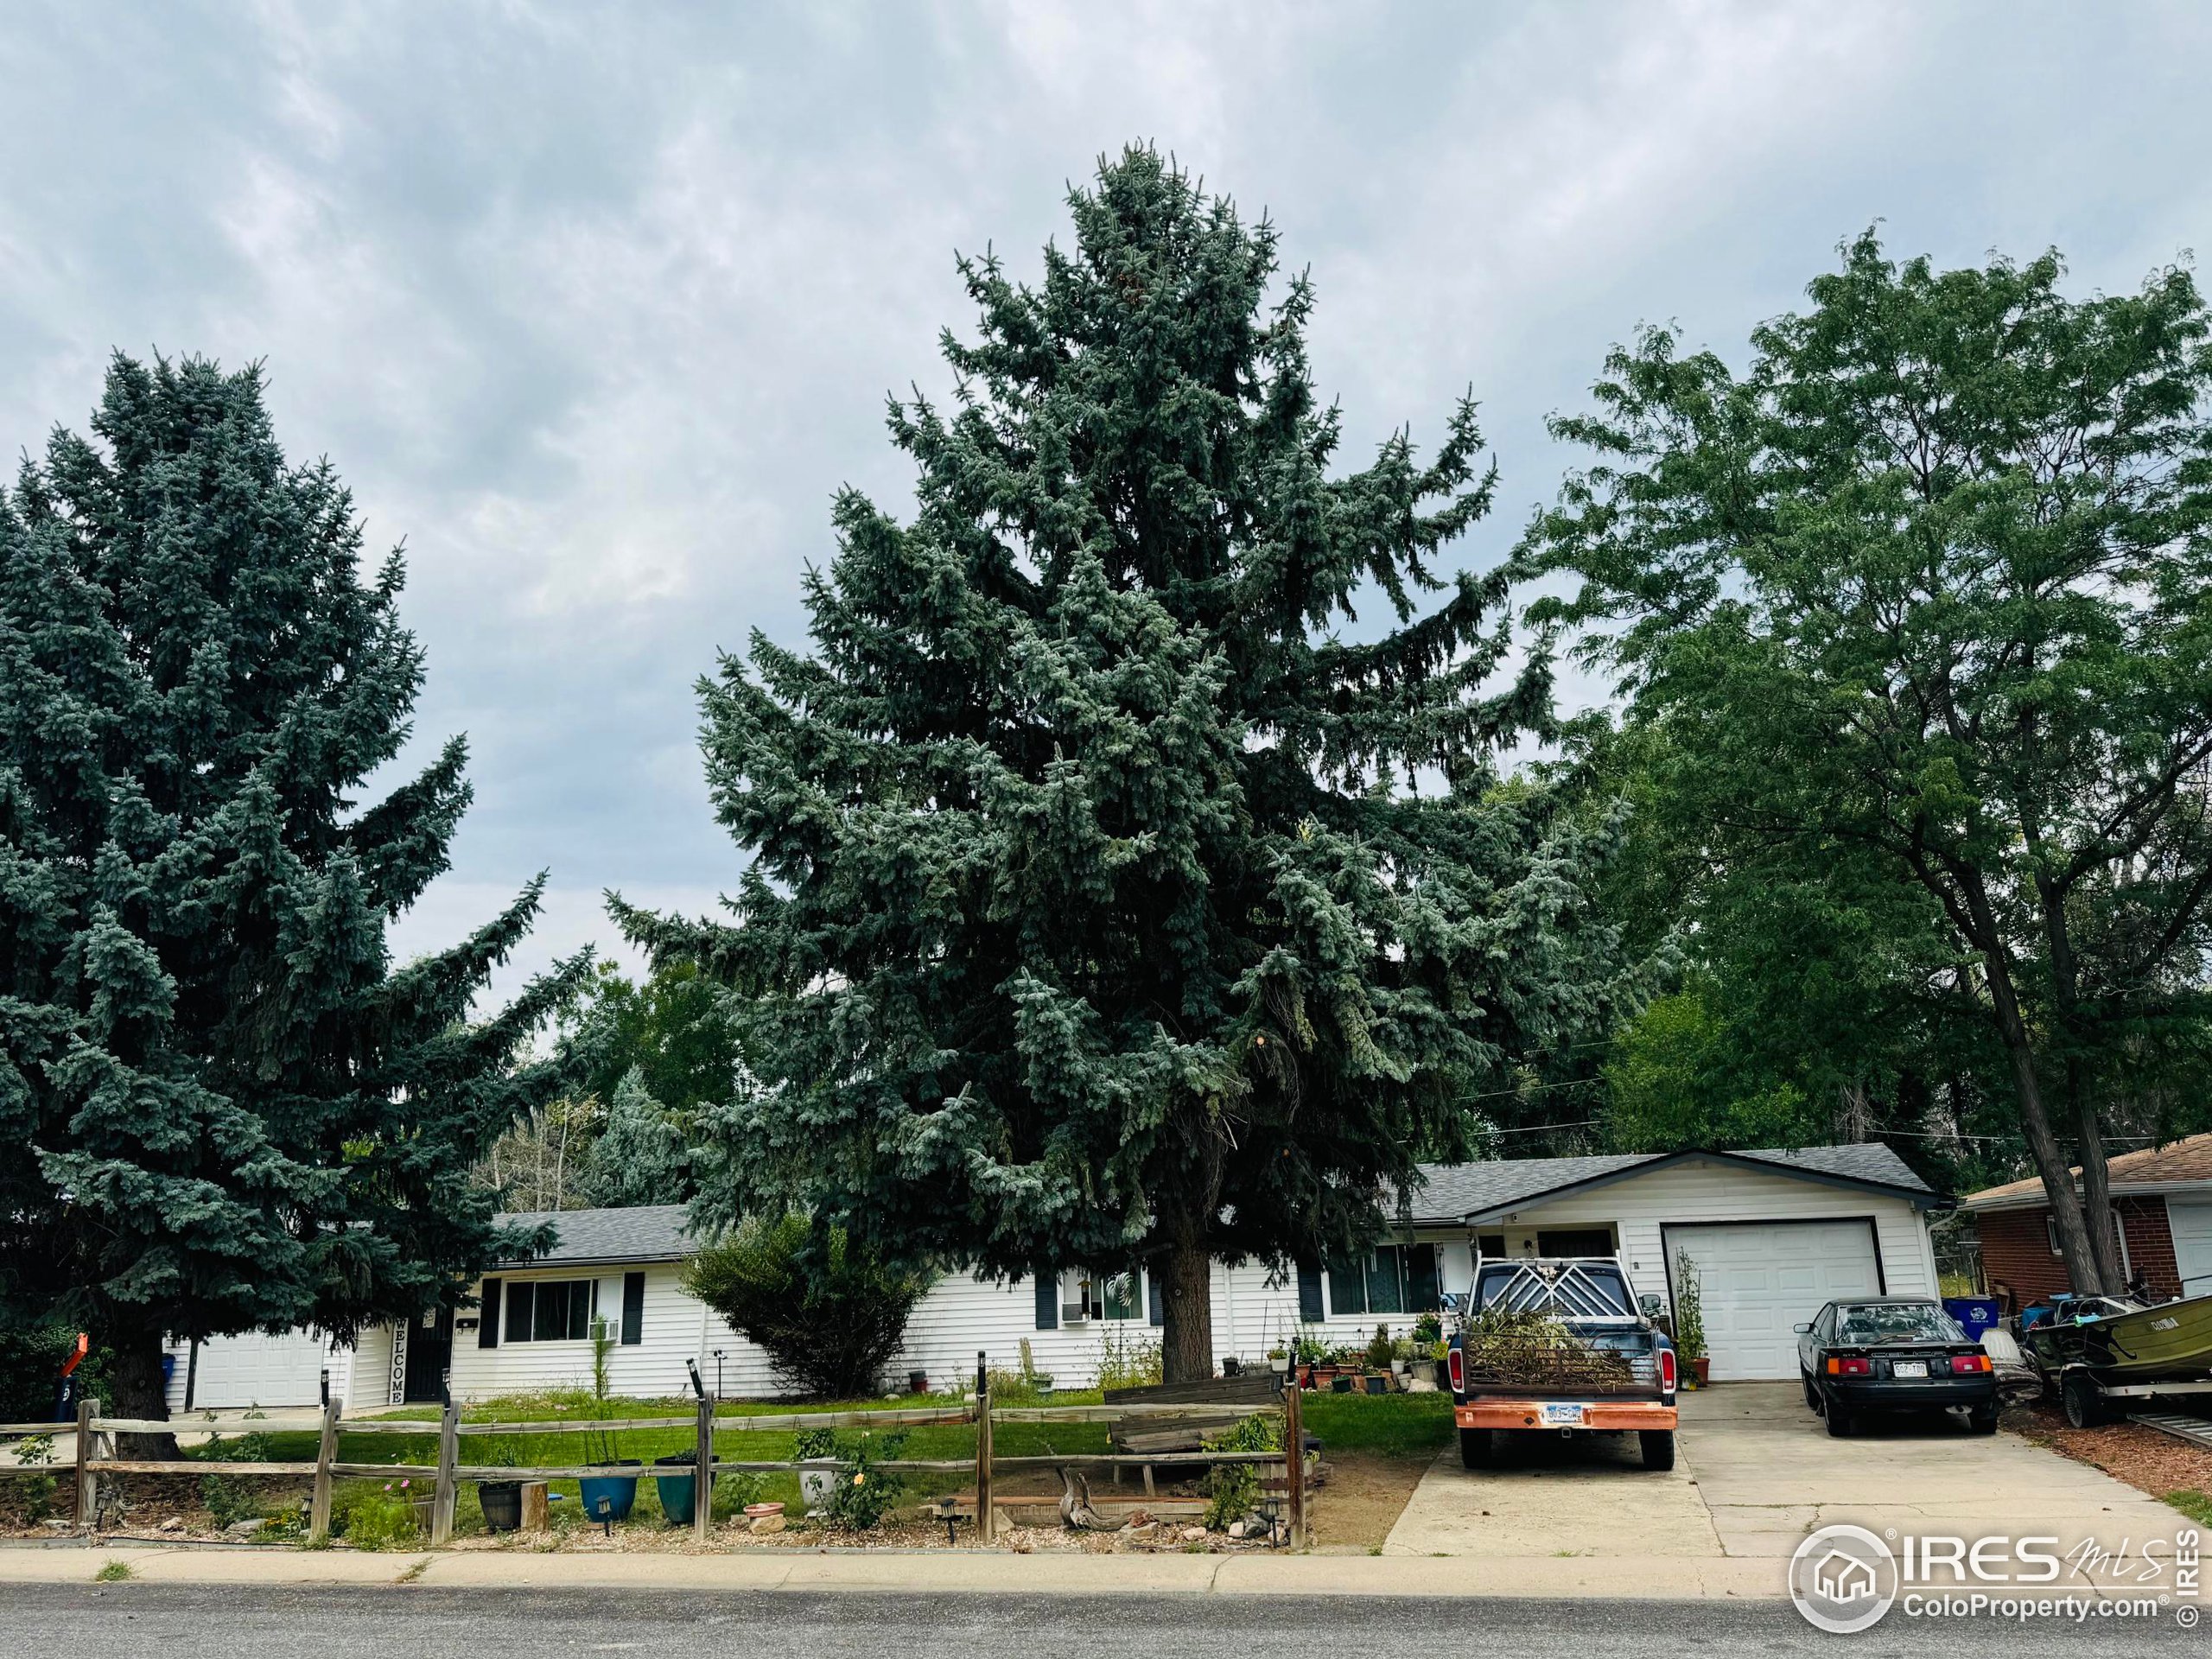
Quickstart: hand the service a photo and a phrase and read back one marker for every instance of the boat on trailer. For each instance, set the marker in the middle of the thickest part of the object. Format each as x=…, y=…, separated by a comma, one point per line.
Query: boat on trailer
x=2098, y=1350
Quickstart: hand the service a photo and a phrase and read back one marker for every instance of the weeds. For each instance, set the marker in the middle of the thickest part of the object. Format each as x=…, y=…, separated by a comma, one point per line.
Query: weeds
x=113, y=1572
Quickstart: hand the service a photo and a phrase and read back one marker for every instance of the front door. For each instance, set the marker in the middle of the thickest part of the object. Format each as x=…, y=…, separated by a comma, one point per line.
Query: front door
x=429, y=1351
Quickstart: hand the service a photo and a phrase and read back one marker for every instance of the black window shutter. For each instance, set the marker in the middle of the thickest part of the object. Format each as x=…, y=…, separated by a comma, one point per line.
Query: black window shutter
x=1048, y=1300
x=1423, y=1294
x=633, y=1309
x=487, y=1317
x=1309, y=1293
x=1152, y=1309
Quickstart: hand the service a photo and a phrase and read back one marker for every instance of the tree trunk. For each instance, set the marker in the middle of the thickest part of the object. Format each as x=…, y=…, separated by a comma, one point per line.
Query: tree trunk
x=136, y=1381
x=2080, y=1255
x=2097, y=1216
x=1185, y=1275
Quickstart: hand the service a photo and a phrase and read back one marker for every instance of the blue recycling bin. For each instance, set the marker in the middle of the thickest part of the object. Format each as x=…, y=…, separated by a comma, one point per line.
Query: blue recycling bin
x=1975, y=1314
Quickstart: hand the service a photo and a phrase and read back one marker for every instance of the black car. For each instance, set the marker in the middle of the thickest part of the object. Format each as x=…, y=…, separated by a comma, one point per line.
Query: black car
x=1893, y=1353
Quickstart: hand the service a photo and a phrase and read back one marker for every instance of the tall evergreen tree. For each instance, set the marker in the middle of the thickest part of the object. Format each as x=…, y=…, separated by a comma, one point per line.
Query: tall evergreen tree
x=230, y=1110
x=640, y=1156
x=1927, y=589
x=1108, y=904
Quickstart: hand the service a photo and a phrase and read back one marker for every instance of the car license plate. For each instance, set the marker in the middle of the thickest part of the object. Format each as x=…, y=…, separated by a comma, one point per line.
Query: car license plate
x=1910, y=1368
x=1563, y=1416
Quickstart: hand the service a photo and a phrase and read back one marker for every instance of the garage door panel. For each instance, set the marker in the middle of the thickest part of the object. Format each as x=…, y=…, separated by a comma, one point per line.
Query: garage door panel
x=258, y=1370
x=1762, y=1280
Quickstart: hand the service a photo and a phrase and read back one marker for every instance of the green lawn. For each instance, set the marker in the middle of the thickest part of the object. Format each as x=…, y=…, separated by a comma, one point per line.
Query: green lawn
x=1389, y=1425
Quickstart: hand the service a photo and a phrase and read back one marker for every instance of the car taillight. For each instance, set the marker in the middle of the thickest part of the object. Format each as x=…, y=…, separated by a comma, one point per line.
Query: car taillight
x=1857, y=1365
x=1456, y=1363
x=1963, y=1364
x=1666, y=1370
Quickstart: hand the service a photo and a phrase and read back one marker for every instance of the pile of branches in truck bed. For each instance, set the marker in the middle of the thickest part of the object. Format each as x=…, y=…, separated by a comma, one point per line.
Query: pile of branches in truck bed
x=1535, y=1351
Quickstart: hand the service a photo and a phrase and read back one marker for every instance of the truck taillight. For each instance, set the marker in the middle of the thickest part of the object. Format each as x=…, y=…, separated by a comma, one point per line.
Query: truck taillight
x=1456, y=1363
x=1666, y=1370
x=1965, y=1365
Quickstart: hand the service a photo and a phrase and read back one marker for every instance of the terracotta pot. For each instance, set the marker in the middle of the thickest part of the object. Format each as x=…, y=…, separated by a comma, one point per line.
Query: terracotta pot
x=1702, y=1368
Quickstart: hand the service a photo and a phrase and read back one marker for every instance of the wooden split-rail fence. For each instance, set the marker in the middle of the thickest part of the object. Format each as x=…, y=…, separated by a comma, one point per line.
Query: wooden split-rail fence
x=96, y=1459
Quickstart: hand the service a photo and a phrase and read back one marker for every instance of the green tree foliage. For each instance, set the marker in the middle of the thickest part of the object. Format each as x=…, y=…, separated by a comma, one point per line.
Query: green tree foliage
x=230, y=1110
x=1676, y=1078
x=639, y=1156
x=828, y=1315
x=1925, y=589
x=1117, y=893
x=671, y=1029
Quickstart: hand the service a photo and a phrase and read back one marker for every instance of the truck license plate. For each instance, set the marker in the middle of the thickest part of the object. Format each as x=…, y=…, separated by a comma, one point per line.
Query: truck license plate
x=1910, y=1368
x=1563, y=1416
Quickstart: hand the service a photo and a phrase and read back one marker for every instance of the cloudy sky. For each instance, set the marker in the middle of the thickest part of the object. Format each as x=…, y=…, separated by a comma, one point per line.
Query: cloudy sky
x=595, y=307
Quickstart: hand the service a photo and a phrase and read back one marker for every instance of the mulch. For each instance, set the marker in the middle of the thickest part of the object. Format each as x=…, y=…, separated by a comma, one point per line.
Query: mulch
x=2146, y=1459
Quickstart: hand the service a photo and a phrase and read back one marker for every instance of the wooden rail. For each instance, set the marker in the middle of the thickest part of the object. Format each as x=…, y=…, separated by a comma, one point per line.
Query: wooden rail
x=96, y=1460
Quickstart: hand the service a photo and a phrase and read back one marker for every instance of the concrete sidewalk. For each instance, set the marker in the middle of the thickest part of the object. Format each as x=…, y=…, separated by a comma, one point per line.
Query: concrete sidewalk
x=920, y=1571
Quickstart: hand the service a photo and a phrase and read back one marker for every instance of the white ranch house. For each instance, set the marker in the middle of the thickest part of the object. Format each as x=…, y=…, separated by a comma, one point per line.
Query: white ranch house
x=1773, y=1235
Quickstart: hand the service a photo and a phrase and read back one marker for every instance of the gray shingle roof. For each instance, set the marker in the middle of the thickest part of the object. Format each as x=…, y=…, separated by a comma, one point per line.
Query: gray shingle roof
x=652, y=1232
x=1451, y=1192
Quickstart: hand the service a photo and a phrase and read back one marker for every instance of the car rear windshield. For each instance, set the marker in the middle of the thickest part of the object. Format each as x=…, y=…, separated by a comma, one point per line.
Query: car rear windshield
x=1898, y=1322
x=1570, y=1290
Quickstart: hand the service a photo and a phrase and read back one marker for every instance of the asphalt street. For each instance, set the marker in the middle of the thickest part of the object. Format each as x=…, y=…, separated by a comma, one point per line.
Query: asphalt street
x=188, y=1622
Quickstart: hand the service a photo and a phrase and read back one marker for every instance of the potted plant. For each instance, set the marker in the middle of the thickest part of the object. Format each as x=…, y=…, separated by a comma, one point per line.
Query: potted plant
x=501, y=1500
x=605, y=1497
x=1279, y=1360
x=1689, y=1321
x=817, y=1484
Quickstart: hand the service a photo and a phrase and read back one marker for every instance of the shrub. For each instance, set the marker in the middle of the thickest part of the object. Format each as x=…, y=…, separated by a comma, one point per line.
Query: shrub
x=828, y=1315
x=864, y=1492
x=1126, y=1361
x=1380, y=1352
x=1427, y=1329
x=1233, y=1489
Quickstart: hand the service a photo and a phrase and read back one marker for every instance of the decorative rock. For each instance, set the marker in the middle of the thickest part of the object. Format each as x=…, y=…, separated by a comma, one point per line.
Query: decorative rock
x=1236, y=1529
x=1192, y=1534
x=243, y=1529
x=174, y=1524
x=766, y=1523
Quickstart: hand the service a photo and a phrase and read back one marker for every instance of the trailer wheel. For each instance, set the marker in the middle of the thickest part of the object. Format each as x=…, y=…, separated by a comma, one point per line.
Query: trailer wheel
x=1658, y=1446
x=2083, y=1400
x=1475, y=1448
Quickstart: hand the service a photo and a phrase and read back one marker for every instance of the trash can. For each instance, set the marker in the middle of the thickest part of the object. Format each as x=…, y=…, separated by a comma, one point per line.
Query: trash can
x=1975, y=1314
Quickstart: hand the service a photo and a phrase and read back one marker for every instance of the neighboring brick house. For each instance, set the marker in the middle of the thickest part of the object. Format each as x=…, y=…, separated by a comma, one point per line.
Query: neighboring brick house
x=2162, y=1199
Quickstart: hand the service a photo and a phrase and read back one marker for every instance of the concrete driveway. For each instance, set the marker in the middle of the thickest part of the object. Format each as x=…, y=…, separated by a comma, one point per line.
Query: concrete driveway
x=1756, y=1472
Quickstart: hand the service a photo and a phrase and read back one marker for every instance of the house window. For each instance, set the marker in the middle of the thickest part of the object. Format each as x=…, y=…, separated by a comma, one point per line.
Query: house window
x=1124, y=1299
x=1574, y=1241
x=549, y=1310
x=1390, y=1278
x=2050, y=1231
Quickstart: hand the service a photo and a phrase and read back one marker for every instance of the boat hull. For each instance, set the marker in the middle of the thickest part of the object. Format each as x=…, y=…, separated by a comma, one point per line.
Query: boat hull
x=2172, y=1340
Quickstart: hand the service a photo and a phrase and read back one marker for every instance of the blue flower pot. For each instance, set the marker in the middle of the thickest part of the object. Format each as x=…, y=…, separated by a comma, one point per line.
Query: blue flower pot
x=611, y=1497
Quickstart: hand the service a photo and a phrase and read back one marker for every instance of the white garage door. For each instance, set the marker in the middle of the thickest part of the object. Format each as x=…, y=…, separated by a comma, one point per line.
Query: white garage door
x=256, y=1370
x=1759, y=1280
x=2191, y=1220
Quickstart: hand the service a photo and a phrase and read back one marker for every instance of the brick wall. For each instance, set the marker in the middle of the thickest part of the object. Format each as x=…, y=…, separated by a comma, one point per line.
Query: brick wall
x=2016, y=1249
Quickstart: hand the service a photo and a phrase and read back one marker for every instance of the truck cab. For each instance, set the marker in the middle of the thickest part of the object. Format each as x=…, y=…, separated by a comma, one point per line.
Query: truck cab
x=1556, y=1345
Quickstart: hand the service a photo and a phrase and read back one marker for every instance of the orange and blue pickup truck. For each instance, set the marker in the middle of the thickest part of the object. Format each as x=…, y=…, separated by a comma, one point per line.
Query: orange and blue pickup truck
x=1554, y=1345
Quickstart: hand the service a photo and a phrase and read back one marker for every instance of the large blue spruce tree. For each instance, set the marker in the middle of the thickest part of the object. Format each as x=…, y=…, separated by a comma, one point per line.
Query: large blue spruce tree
x=226, y=1109
x=1114, y=897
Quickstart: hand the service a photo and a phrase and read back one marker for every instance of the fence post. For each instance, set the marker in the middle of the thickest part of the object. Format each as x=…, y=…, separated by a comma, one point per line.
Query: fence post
x=326, y=1454
x=1294, y=1445
x=88, y=1508
x=441, y=1499
x=703, y=1489
x=985, y=1527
